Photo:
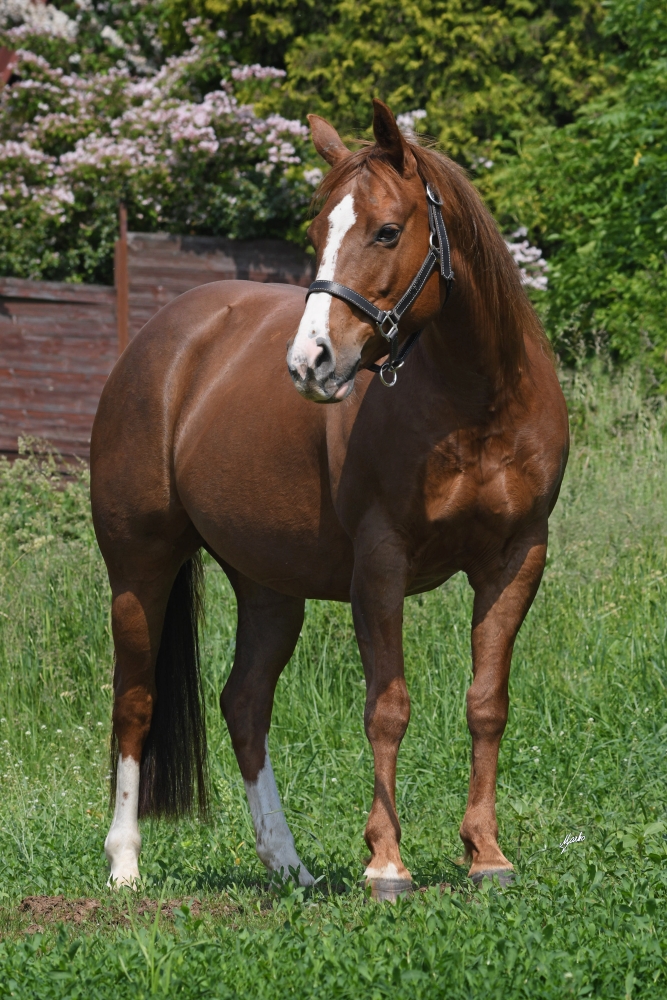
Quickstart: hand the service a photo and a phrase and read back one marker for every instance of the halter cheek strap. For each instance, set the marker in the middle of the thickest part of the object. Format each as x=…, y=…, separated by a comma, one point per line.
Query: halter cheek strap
x=387, y=320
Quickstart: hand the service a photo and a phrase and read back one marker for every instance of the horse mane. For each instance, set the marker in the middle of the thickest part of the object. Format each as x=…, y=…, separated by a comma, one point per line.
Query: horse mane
x=501, y=310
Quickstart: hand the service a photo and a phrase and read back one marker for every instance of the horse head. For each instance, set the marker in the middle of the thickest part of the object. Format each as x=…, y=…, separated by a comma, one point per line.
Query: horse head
x=370, y=238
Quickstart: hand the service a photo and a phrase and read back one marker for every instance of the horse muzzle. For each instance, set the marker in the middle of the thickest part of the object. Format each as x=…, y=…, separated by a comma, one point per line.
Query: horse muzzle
x=316, y=377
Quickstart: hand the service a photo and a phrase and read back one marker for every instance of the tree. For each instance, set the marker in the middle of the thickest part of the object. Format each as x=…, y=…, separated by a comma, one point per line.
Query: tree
x=594, y=193
x=480, y=71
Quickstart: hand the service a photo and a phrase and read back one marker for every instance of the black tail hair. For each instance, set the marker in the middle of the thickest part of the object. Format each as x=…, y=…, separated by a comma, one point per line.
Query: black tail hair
x=173, y=762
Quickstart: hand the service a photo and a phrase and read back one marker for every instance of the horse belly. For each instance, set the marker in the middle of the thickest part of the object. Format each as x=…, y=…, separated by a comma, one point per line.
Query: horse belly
x=281, y=539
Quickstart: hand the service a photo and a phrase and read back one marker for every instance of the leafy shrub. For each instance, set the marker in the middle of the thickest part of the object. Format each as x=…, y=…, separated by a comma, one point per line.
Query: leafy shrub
x=184, y=149
x=594, y=192
x=480, y=70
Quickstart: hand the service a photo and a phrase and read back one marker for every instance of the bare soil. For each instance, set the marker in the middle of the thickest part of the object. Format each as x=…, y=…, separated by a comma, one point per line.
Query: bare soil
x=52, y=909
x=58, y=909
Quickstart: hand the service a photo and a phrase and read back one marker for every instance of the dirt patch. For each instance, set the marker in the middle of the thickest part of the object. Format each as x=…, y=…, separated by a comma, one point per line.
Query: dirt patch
x=148, y=908
x=58, y=909
x=50, y=909
x=217, y=910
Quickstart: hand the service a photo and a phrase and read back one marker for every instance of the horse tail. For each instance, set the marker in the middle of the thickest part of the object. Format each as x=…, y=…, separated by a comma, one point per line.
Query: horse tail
x=173, y=762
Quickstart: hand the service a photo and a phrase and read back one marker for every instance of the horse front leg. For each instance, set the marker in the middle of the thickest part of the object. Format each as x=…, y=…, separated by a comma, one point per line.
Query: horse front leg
x=378, y=590
x=503, y=595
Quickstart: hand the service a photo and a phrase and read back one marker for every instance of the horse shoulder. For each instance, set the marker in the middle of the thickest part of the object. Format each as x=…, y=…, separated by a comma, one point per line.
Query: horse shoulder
x=505, y=469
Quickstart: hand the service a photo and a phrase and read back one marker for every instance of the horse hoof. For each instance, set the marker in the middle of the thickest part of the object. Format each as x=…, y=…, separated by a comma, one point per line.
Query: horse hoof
x=505, y=876
x=389, y=889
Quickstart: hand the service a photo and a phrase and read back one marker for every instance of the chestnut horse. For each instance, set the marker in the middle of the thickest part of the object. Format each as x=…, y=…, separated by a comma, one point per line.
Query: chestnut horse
x=201, y=441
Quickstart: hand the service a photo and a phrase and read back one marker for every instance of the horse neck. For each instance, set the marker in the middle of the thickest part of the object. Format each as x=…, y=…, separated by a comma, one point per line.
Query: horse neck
x=462, y=350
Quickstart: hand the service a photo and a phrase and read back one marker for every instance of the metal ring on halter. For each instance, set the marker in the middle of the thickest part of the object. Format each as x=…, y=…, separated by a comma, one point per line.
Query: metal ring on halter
x=434, y=246
x=387, y=366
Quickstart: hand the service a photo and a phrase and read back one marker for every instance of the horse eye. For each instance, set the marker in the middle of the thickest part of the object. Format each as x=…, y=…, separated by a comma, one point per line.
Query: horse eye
x=388, y=235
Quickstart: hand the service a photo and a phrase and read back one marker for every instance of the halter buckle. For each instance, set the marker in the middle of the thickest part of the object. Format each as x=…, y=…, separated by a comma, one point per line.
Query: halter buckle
x=391, y=333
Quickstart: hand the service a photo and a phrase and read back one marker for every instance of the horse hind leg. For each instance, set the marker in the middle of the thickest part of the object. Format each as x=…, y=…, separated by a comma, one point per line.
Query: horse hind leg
x=159, y=744
x=267, y=632
x=502, y=600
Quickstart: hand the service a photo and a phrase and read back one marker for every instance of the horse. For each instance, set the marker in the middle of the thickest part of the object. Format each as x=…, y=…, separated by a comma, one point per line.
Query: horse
x=205, y=439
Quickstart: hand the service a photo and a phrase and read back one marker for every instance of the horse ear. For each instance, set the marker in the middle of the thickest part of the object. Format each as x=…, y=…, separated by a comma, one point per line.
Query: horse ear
x=326, y=140
x=390, y=140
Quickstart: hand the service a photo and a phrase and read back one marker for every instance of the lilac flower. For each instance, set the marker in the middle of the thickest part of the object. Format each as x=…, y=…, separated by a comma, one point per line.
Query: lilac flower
x=146, y=132
x=406, y=121
x=112, y=37
x=531, y=264
x=313, y=175
x=257, y=72
x=22, y=150
x=35, y=18
x=481, y=161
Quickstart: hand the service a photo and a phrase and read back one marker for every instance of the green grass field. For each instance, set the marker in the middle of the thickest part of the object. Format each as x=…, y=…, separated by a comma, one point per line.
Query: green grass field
x=585, y=752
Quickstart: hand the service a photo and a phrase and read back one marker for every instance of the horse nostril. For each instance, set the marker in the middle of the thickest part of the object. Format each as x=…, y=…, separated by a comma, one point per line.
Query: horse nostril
x=325, y=357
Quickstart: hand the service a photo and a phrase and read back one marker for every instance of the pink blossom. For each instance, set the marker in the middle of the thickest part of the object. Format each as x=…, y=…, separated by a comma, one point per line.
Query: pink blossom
x=531, y=264
x=153, y=132
x=36, y=18
x=406, y=121
x=257, y=72
x=313, y=176
x=22, y=150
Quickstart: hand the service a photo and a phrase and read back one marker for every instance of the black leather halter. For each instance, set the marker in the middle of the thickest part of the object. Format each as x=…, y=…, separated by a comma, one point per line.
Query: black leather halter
x=387, y=320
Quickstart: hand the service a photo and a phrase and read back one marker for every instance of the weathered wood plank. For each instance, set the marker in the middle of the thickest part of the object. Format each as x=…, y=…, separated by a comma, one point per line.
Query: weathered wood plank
x=58, y=341
x=55, y=291
x=57, y=347
x=162, y=266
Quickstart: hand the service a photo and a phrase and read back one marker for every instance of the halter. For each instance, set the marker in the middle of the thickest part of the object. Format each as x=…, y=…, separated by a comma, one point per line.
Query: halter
x=387, y=320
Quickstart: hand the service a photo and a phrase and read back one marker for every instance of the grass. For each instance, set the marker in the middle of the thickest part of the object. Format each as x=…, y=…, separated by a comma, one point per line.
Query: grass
x=585, y=753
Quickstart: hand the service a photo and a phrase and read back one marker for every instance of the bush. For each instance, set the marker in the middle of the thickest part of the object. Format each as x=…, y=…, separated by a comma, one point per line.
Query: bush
x=480, y=70
x=593, y=194
x=184, y=149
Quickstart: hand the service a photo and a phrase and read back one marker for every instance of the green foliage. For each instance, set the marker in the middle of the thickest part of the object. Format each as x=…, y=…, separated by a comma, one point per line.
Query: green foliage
x=594, y=194
x=558, y=109
x=480, y=71
x=261, y=31
x=584, y=751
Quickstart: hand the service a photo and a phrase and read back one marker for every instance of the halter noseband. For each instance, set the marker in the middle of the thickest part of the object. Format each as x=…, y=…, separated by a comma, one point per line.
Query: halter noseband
x=387, y=320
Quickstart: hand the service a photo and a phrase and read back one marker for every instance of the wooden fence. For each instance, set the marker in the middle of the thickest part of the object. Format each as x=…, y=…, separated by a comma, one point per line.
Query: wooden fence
x=59, y=341
x=161, y=266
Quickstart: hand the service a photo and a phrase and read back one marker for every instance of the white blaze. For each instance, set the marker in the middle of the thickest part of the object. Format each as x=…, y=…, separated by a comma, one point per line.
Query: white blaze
x=274, y=840
x=123, y=841
x=314, y=323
